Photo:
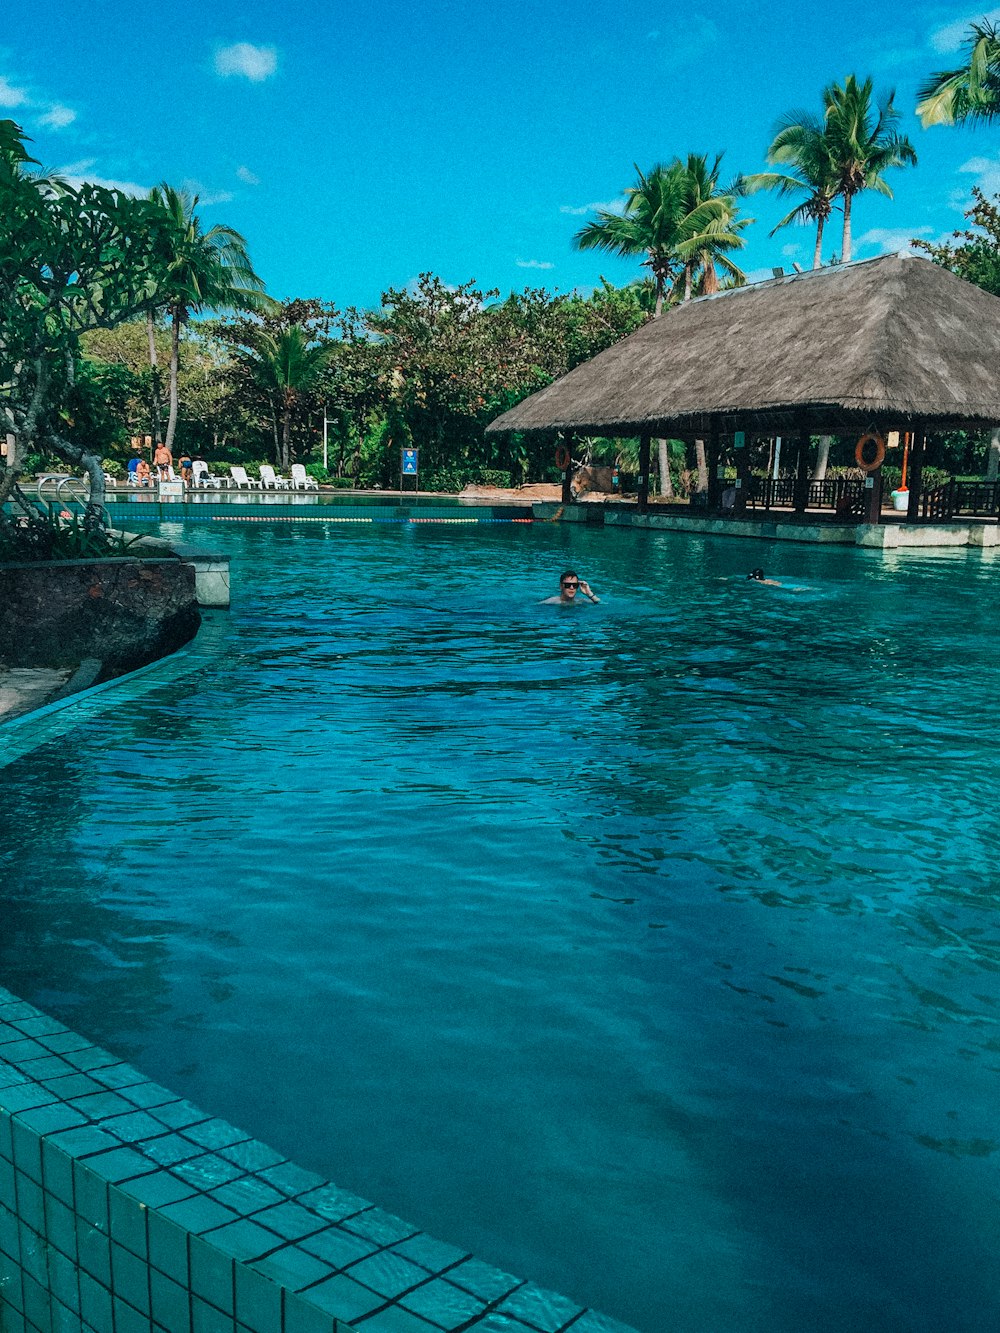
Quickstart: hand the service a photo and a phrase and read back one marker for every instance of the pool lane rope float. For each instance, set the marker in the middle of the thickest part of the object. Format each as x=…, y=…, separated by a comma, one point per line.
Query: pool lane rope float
x=869, y=464
x=307, y=518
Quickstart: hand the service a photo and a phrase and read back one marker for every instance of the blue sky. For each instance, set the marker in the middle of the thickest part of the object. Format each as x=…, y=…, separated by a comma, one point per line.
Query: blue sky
x=355, y=147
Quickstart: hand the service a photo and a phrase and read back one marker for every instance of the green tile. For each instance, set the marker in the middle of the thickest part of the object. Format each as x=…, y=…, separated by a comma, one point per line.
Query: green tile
x=119, y=1076
x=289, y=1220
x=46, y=1119
x=178, y=1114
x=6, y=1183
x=30, y=1201
x=94, y=1252
x=49, y=1066
x=333, y=1203
x=592, y=1322
x=60, y=1226
x=57, y=1172
x=36, y=1303
x=292, y=1267
x=251, y=1155
x=64, y=1319
x=92, y=1057
x=33, y=1260
x=21, y=1049
x=40, y=1026
x=9, y=1243
x=171, y=1303
x=207, y=1171
x=483, y=1280
x=120, y=1164
x=338, y=1247
x=133, y=1127
x=61, y=1042
x=207, y=1319
x=301, y=1317
x=198, y=1214
x=95, y=1304
x=100, y=1105
x=434, y=1255
x=344, y=1298
x=387, y=1273
x=91, y=1198
x=83, y=1141
x=25, y=1096
x=169, y=1149
x=211, y=1274
x=291, y=1179
x=130, y=1278
x=10, y=1285
x=443, y=1303
x=543, y=1309
x=128, y=1223
x=215, y=1134
x=168, y=1247
x=64, y=1279
x=157, y=1189
x=148, y=1095
x=73, y=1085
x=248, y=1195
x=258, y=1300
x=380, y=1226
x=396, y=1320
x=129, y=1320
x=243, y=1240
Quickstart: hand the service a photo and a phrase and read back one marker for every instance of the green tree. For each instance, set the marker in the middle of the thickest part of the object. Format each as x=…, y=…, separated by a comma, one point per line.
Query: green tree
x=972, y=91
x=800, y=143
x=71, y=259
x=289, y=366
x=205, y=270
x=863, y=143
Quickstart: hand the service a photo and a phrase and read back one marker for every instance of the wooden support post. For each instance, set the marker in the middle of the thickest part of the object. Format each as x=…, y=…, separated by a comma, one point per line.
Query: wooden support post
x=915, y=479
x=714, y=481
x=802, y=473
x=643, y=482
x=567, y=476
x=871, y=498
x=742, y=451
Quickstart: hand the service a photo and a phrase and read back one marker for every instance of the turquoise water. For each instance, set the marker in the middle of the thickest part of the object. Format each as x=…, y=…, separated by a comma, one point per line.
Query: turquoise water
x=648, y=950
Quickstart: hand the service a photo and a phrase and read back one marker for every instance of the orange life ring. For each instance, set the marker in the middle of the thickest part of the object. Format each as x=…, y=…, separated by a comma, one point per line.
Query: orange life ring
x=871, y=464
x=563, y=458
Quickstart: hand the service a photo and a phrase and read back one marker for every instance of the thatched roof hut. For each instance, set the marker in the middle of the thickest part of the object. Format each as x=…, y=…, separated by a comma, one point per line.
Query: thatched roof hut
x=884, y=342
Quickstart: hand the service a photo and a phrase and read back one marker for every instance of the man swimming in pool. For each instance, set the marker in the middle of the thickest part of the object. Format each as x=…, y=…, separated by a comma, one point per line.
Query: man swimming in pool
x=569, y=584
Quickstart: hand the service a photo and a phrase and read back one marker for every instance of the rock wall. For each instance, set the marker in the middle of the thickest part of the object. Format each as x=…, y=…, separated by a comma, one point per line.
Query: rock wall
x=124, y=612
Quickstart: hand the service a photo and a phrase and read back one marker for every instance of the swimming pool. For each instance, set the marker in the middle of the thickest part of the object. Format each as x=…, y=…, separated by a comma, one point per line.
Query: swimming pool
x=648, y=950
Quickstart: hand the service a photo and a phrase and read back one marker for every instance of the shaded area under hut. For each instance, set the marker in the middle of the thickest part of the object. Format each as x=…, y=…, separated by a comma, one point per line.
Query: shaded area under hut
x=894, y=344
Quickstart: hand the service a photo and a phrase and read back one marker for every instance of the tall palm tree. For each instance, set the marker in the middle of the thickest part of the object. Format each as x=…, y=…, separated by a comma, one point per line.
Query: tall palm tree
x=799, y=143
x=709, y=227
x=202, y=270
x=971, y=92
x=287, y=367
x=863, y=143
x=649, y=225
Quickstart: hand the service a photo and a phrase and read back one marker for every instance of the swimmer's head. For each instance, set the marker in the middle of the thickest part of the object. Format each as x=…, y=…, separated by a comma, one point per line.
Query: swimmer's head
x=757, y=574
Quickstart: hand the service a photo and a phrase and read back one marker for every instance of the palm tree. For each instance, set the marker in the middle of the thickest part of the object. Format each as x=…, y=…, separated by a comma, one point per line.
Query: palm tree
x=799, y=143
x=287, y=367
x=971, y=92
x=649, y=225
x=204, y=270
x=709, y=227
x=862, y=142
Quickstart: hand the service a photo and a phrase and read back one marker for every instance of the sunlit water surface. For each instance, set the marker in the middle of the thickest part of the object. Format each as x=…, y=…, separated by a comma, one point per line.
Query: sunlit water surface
x=649, y=950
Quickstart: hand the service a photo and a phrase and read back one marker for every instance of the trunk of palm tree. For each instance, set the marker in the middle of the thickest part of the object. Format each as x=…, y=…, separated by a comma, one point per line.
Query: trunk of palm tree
x=710, y=281
x=175, y=356
x=658, y=311
x=688, y=280
x=666, y=484
x=846, y=256
x=818, y=252
x=993, y=457
x=701, y=462
x=154, y=367
x=822, y=457
x=286, y=432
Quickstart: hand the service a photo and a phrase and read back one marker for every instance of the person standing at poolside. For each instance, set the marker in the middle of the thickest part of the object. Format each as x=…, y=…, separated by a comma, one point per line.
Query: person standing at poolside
x=569, y=584
x=163, y=461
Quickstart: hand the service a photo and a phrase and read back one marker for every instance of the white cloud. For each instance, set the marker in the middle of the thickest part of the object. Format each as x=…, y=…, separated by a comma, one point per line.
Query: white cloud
x=613, y=206
x=58, y=117
x=205, y=196
x=11, y=96
x=76, y=174
x=791, y=251
x=533, y=263
x=986, y=171
x=247, y=176
x=952, y=36
x=690, y=41
x=890, y=240
x=246, y=61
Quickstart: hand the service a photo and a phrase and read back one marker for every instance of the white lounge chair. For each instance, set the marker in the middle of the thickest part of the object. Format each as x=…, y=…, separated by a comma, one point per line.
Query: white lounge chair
x=240, y=478
x=270, y=480
x=200, y=475
x=301, y=480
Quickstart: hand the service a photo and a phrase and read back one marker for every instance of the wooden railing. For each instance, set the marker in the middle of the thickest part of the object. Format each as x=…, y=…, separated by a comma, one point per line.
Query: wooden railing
x=842, y=495
x=976, y=499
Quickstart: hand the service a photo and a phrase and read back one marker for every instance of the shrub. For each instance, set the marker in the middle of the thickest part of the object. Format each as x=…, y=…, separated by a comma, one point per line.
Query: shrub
x=455, y=478
x=113, y=468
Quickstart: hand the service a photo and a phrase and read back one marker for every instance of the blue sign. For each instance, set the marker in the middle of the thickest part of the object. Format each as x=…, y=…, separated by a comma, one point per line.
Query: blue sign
x=410, y=462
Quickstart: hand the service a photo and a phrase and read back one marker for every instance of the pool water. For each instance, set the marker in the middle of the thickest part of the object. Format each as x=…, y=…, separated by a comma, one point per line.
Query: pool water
x=648, y=950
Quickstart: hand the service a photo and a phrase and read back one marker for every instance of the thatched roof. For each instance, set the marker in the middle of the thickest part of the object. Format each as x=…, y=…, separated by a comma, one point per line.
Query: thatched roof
x=886, y=342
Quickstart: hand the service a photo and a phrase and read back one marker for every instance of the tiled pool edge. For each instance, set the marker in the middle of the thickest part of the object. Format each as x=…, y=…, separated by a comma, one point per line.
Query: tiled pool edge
x=125, y=1207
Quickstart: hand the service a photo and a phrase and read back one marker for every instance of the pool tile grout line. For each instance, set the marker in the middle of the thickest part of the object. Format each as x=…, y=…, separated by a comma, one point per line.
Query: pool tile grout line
x=239, y=1230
